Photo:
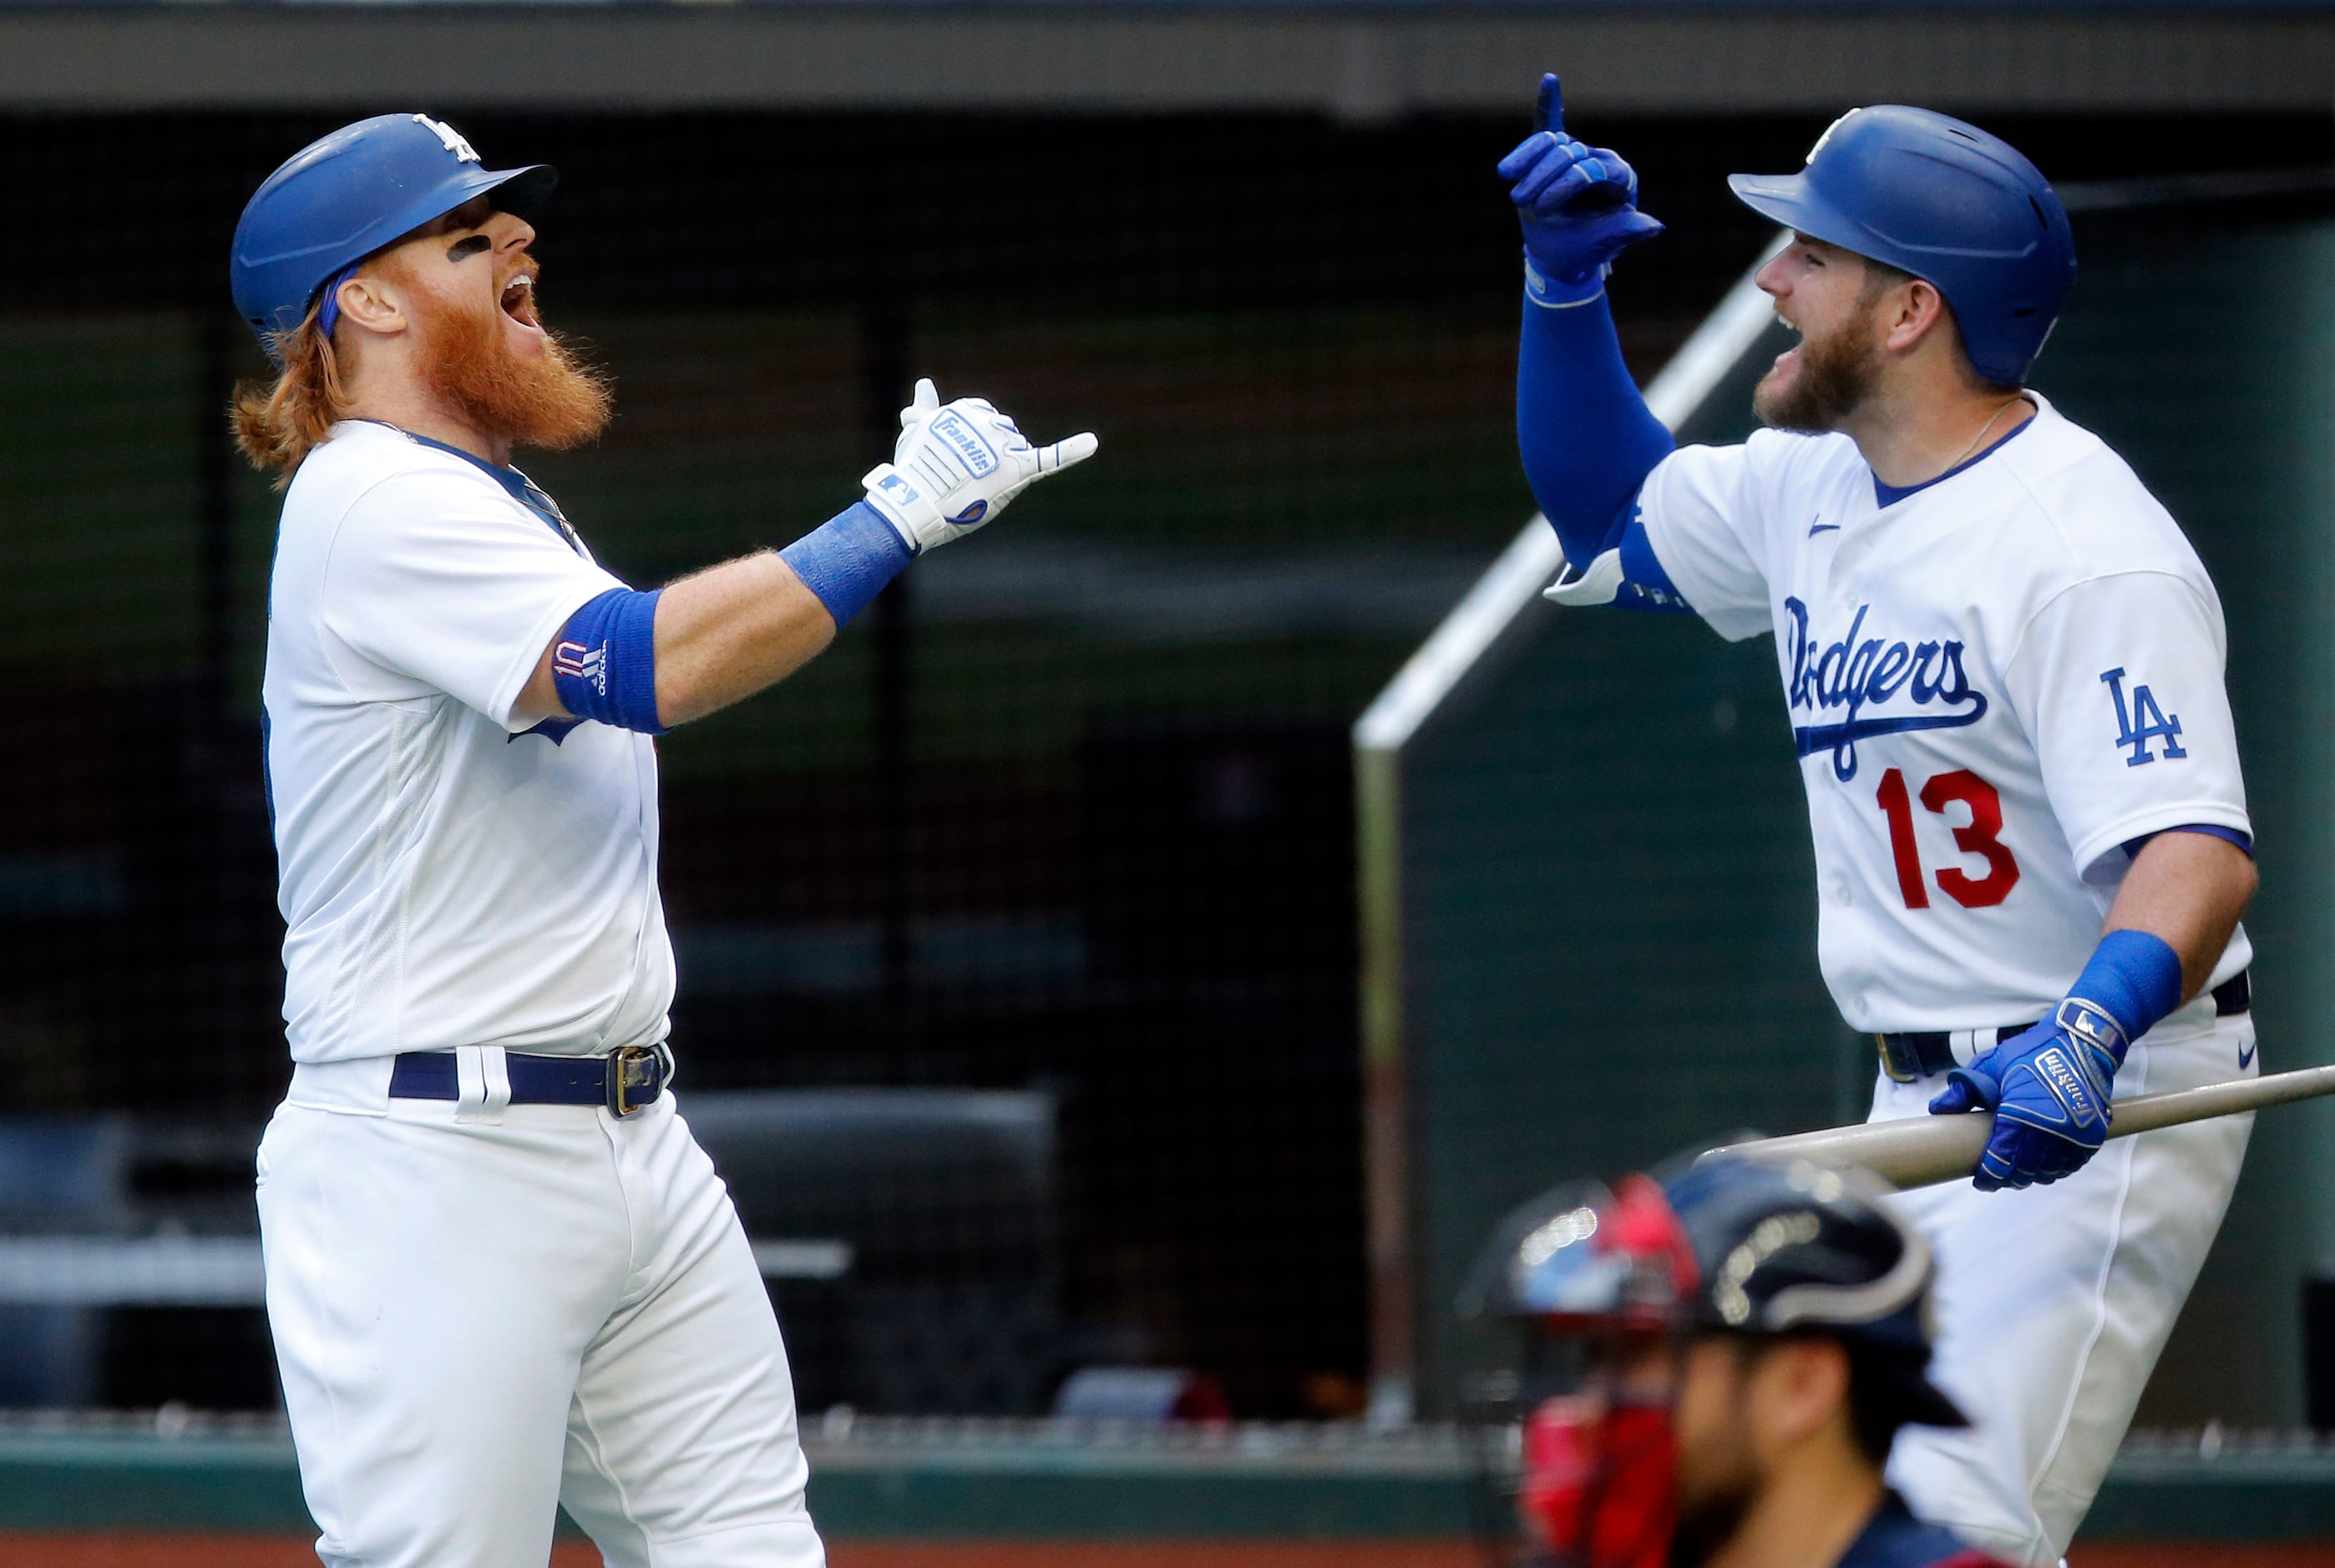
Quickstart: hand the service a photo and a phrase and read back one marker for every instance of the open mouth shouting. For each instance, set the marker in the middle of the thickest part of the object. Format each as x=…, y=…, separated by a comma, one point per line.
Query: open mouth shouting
x=517, y=301
x=1790, y=356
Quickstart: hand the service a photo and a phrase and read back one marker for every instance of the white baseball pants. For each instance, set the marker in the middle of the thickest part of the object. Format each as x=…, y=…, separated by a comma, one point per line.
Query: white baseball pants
x=2054, y=1303
x=481, y=1313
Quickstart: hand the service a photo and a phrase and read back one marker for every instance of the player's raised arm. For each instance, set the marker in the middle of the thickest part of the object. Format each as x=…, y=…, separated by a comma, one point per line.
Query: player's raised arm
x=1586, y=437
x=649, y=660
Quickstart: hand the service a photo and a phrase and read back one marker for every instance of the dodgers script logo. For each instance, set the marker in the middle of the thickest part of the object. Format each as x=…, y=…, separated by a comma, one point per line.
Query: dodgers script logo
x=1852, y=675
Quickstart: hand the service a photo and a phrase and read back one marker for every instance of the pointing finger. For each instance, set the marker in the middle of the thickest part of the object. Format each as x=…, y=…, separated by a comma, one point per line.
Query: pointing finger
x=1550, y=115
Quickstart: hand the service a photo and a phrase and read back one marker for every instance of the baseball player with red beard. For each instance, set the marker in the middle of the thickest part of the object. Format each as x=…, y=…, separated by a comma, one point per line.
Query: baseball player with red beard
x=501, y=1275
x=2003, y=664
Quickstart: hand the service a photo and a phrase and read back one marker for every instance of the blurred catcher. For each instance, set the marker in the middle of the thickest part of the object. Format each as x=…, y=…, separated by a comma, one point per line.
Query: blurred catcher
x=501, y=1275
x=1714, y=1370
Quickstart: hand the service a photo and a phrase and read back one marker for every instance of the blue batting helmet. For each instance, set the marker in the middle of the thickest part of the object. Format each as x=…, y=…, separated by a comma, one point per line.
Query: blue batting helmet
x=337, y=200
x=1950, y=204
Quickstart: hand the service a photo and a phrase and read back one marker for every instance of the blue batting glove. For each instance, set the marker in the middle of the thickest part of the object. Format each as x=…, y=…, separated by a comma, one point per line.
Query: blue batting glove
x=1576, y=203
x=2049, y=1089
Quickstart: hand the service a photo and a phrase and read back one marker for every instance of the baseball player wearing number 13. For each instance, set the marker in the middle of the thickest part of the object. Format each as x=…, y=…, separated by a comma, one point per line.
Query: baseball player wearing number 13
x=2003, y=665
x=501, y=1275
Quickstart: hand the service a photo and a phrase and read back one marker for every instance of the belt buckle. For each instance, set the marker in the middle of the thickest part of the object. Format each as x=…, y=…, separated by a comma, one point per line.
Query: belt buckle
x=1891, y=1067
x=633, y=1068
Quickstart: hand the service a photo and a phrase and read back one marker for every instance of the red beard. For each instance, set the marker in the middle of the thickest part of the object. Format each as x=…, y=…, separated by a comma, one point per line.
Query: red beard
x=553, y=402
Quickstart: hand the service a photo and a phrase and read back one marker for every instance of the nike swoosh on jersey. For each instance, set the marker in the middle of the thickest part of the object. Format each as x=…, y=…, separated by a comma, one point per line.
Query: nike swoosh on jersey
x=2245, y=1058
x=1815, y=528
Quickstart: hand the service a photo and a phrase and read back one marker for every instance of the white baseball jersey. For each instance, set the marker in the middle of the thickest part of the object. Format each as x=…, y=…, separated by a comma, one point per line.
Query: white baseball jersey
x=445, y=880
x=1995, y=683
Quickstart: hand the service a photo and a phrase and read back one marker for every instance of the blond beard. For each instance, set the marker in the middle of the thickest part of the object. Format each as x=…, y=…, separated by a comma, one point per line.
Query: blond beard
x=1836, y=375
x=554, y=403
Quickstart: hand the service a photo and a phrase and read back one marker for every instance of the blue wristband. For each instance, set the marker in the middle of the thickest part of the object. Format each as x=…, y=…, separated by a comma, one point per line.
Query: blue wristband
x=605, y=662
x=847, y=560
x=2134, y=977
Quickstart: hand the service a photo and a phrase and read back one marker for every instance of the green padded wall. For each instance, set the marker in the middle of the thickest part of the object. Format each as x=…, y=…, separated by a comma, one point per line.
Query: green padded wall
x=1606, y=909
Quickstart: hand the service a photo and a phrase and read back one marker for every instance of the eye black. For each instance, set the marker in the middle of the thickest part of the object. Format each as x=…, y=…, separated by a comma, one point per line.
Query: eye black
x=461, y=250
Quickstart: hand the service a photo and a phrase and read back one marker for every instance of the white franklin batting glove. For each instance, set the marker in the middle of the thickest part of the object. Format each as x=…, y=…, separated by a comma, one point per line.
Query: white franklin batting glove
x=956, y=466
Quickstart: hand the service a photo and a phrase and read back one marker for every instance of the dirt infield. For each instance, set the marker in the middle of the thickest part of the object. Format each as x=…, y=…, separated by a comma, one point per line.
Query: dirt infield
x=281, y=1552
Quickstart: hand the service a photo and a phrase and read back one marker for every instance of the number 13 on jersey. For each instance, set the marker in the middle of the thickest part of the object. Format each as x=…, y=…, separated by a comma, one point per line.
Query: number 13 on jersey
x=1981, y=836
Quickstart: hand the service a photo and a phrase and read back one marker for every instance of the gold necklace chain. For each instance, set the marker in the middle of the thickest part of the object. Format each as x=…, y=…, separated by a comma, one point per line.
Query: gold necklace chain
x=1999, y=413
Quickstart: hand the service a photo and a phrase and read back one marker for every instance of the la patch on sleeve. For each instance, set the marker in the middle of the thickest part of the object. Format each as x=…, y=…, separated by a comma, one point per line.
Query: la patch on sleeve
x=2141, y=720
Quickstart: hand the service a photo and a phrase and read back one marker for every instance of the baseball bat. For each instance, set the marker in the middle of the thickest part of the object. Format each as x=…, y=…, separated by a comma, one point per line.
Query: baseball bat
x=1920, y=1151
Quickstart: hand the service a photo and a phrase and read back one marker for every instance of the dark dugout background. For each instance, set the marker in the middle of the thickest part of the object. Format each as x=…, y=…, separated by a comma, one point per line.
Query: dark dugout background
x=1069, y=811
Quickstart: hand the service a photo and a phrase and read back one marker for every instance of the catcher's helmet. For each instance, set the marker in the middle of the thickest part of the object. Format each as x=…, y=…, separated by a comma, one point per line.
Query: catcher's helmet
x=339, y=199
x=1729, y=1245
x=1947, y=202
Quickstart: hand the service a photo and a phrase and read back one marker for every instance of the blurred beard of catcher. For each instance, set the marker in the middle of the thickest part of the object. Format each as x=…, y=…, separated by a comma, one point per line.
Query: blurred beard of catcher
x=552, y=403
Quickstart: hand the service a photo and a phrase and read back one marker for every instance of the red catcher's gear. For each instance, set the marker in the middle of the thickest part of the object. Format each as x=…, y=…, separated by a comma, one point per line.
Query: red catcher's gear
x=1727, y=1245
x=1601, y=1483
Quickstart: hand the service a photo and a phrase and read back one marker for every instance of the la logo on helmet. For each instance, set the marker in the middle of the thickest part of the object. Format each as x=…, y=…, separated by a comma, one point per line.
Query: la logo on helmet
x=463, y=151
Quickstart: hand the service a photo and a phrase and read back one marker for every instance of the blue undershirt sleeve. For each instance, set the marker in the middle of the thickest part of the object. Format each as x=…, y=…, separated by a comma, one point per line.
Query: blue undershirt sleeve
x=1628, y=576
x=605, y=663
x=1644, y=585
x=2243, y=840
x=1587, y=439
